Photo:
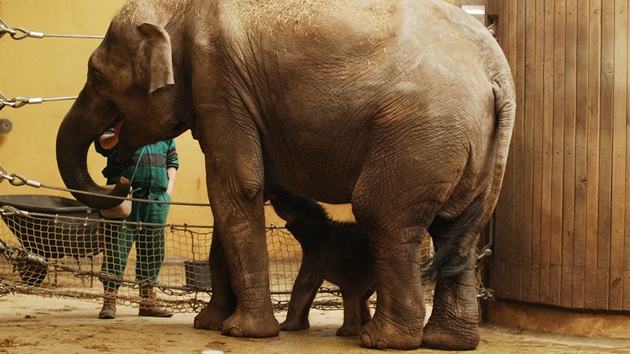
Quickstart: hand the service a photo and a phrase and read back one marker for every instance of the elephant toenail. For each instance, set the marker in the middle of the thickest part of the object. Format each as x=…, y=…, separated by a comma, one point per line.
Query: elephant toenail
x=365, y=340
x=235, y=332
x=381, y=344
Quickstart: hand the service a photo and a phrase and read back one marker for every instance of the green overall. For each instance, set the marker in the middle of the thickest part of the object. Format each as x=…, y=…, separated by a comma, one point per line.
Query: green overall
x=149, y=181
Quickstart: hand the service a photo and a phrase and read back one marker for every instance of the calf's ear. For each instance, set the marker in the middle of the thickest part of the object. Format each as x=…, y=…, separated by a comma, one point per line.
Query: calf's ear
x=154, y=64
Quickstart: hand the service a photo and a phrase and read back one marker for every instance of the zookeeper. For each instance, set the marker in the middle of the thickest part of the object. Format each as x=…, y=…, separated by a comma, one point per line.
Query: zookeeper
x=152, y=171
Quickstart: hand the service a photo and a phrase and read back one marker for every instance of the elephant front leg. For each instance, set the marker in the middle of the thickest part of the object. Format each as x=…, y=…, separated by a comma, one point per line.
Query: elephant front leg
x=400, y=311
x=235, y=180
x=248, y=266
x=308, y=281
x=453, y=324
x=223, y=301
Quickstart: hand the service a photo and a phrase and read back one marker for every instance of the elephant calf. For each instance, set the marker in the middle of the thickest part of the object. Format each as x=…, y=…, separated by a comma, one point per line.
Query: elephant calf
x=338, y=252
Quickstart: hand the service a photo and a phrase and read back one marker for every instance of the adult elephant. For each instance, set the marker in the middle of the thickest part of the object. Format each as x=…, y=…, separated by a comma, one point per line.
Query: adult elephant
x=403, y=108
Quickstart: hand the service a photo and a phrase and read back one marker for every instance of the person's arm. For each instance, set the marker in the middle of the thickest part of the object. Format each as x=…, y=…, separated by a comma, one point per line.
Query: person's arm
x=172, y=164
x=108, y=141
x=172, y=174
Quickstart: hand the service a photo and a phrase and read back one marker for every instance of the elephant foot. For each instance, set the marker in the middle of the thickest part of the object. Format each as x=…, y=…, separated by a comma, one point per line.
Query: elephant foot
x=212, y=317
x=454, y=321
x=443, y=338
x=348, y=330
x=289, y=325
x=381, y=334
x=252, y=325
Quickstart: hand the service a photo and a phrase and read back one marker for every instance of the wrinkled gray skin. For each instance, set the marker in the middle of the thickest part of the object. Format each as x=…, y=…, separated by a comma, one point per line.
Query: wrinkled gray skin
x=338, y=252
x=402, y=108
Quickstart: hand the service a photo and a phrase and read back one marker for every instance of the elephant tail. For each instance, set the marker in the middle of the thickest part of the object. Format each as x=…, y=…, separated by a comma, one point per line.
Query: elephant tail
x=460, y=235
x=444, y=264
x=505, y=108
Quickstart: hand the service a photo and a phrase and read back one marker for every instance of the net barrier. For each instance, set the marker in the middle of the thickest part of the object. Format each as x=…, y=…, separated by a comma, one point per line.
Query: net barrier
x=60, y=255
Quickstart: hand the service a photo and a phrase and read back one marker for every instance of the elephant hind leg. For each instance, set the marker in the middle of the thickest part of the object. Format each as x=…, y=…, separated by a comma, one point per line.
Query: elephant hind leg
x=454, y=320
x=453, y=324
x=400, y=190
x=352, y=313
x=400, y=309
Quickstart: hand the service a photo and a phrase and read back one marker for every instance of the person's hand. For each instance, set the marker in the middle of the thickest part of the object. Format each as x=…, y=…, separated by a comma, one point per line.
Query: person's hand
x=108, y=141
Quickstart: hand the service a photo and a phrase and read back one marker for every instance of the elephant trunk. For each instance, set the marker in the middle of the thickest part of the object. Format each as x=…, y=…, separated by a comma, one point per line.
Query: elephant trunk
x=75, y=135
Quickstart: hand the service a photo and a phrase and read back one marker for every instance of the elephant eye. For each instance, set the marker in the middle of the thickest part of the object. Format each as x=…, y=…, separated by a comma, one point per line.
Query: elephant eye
x=97, y=78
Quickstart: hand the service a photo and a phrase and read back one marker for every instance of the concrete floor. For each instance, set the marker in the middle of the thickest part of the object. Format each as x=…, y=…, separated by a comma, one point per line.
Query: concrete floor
x=35, y=324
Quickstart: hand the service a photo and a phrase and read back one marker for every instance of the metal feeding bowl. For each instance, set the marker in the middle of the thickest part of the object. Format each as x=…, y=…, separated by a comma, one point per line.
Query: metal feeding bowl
x=52, y=228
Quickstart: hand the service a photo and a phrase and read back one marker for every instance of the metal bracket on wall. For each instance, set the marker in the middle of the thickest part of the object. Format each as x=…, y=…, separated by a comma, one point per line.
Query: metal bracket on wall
x=492, y=27
x=485, y=294
x=3, y=172
x=5, y=126
x=485, y=252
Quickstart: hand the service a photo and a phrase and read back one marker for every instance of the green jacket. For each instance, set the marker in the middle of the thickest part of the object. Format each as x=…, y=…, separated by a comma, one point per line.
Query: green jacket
x=150, y=174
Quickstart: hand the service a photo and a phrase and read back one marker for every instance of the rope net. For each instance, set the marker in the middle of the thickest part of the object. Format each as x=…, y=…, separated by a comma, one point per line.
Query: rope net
x=53, y=255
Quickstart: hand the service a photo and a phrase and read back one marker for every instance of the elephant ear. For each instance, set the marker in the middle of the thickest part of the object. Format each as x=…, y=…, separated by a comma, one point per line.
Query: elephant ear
x=154, y=67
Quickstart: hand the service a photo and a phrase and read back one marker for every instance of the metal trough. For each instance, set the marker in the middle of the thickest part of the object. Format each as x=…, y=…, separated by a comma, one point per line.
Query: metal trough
x=198, y=274
x=53, y=236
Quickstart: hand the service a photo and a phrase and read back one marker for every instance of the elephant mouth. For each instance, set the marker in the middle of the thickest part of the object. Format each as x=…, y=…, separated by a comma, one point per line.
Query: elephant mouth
x=124, y=151
x=117, y=117
x=129, y=142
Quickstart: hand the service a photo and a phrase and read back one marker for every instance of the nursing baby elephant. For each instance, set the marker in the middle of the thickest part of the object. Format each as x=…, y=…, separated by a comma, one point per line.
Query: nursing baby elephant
x=402, y=108
x=338, y=252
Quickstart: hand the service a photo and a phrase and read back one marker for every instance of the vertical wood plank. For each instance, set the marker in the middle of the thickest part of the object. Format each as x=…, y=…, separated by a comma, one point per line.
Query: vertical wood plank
x=626, y=282
x=503, y=242
x=529, y=117
x=581, y=153
x=557, y=151
x=504, y=218
x=547, y=153
x=517, y=14
x=605, y=155
x=568, y=189
x=594, y=62
x=502, y=237
x=619, y=143
x=537, y=132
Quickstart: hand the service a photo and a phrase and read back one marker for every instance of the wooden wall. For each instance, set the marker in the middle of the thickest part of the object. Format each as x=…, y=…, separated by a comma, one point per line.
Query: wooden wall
x=562, y=225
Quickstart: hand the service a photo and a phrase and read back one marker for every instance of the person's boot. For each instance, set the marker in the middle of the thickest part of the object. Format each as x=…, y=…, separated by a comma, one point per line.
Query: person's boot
x=109, y=305
x=148, y=306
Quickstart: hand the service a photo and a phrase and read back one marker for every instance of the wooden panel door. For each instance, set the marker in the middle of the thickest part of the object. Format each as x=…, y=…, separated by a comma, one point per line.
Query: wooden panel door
x=562, y=224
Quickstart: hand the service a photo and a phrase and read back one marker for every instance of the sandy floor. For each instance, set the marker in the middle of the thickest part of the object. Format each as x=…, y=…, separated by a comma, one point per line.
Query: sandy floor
x=31, y=324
